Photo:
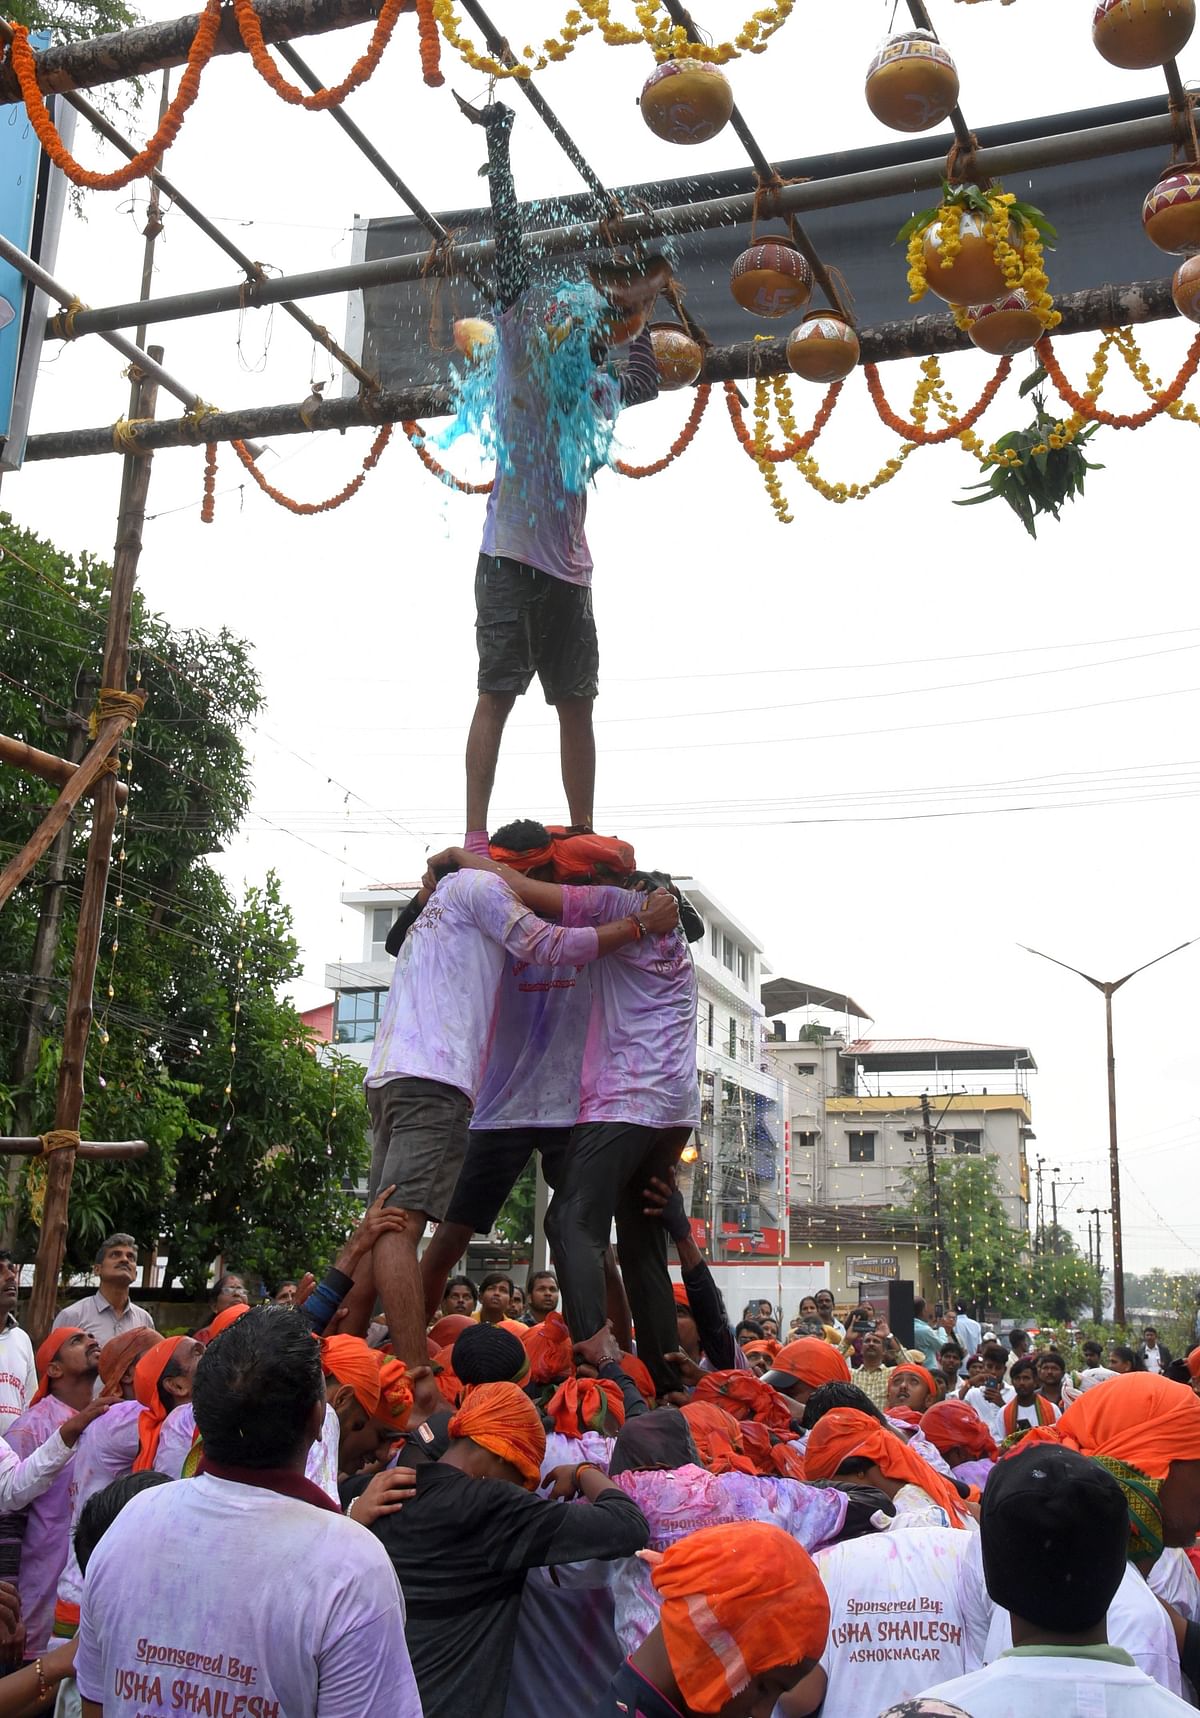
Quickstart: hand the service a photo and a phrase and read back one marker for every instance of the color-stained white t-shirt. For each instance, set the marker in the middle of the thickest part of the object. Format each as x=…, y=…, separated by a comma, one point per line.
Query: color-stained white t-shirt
x=212, y=1596
x=1089, y=1683
x=536, y=1055
x=105, y=1452
x=18, y=1375
x=905, y=1612
x=1174, y=1580
x=639, y=1062
x=438, y=1018
x=44, y=1545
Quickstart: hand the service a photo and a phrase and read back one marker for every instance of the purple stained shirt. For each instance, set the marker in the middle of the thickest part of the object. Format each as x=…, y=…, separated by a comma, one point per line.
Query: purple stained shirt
x=105, y=1452
x=531, y=515
x=534, y=1065
x=639, y=1061
x=48, y=1528
x=440, y=1012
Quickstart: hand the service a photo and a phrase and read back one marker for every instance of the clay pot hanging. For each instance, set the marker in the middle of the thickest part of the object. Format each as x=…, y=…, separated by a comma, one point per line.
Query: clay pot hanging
x=473, y=336
x=1185, y=289
x=912, y=83
x=1171, y=212
x=1006, y=327
x=824, y=348
x=677, y=355
x=686, y=101
x=771, y=278
x=1138, y=34
x=974, y=276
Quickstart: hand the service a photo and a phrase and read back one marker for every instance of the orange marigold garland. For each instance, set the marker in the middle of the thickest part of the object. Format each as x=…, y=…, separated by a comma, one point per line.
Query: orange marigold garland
x=416, y=440
x=429, y=40
x=797, y=444
x=309, y=507
x=250, y=28
x=1085, y=404
x=24, y=65
x=916, y=432
x=681, y=443
x=209, y=505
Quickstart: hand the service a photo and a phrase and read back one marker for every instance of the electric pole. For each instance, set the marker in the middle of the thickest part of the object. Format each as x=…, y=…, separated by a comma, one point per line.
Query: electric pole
x=1108, y=988
x=1097, y=1212
x=935, y=1205
x=1039, y=1220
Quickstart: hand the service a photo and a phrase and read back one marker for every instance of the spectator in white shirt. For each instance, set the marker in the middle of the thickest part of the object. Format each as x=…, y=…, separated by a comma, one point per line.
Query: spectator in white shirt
x=1075, y=1514
x=992, y=1393
x=1155, y=1358
x=109, y=1312
x=18, y=1374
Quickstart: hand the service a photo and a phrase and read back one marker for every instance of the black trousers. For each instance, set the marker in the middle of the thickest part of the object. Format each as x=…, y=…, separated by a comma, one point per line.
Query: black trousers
x=608, y=1165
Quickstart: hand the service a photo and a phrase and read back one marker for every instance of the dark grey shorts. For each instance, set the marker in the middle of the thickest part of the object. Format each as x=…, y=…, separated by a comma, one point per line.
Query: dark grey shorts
x=419, y=1141
x=527, y=622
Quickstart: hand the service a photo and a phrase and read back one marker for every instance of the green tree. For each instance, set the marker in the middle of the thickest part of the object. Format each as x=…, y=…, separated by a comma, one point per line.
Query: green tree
x=73, y=20
x=988, y=1257
x=255, y=1138
x=515, y=1222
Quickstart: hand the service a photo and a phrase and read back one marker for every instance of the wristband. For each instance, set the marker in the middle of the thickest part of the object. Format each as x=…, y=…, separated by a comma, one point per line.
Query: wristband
x=639, y=929
x=595, y=1466
x=43, y=1685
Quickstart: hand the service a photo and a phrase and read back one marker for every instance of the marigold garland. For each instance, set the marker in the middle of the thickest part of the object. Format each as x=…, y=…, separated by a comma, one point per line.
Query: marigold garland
x=416, y=440
x=681, y=443
x=429, y=42
x=24, y=65
x=310, y=507
x=800, y=442
x=1000, y=214
x=670, y=41
x=209, y=504
x=776, y=388
x=529, y=60
x=1084, y=405
x=250, y=29
x=954, y=427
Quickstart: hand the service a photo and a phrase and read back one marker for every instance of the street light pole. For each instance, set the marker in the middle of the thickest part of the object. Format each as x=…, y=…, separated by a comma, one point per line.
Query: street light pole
x=1108, y=988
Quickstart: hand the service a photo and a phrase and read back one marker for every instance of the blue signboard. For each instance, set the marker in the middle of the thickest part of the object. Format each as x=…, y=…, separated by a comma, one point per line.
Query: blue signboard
x=20, y=159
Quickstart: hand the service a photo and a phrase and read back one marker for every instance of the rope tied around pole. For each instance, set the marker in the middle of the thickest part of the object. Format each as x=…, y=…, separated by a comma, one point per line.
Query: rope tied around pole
x=124, y=435
x=115, y=701
x=63, y=324
x=195, y=416
x=1185, y=146
x=59, y=1139
x=961, y=167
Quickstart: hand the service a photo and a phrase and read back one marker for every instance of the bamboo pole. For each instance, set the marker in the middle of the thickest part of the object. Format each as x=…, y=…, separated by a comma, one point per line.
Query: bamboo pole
x=707, y=215
x=89, y=776
x=52, y=1244
x=111, y=1150
x=22, y=756
x=1082, y=312
x=156, y=47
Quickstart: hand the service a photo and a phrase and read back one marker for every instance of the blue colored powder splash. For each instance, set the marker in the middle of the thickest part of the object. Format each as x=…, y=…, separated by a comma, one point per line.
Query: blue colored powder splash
x=582, y=400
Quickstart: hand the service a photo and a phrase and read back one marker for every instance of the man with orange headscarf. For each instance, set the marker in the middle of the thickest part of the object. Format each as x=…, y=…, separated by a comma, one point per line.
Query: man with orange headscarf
x=744, y=1617
x=162, y=1381
x=354, y=1389
x=803, y=1366
x=958, y=1434
x=845, y=1442
x=462, y=1547
x=67, y=1368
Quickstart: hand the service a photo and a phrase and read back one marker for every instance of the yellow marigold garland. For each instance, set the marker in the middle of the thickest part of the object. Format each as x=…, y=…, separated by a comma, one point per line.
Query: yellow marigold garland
x=655, y=29
x=1023, y=268
x=528, y=61
x=778, y=389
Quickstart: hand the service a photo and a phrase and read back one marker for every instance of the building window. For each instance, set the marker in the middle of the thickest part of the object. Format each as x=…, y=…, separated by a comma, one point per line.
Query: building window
x=356, y=1016
x=382, y=920
x=803, y=1141
x=968, y=1143
x=714, y=941
x=733, y=1035
x=728, y=951
x=711, y=1024
x=743, y=968
x=805, y=1068
x=862, y=1147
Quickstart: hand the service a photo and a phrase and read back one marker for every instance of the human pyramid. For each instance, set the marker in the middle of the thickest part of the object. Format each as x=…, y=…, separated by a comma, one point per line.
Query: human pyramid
x=383, y=1495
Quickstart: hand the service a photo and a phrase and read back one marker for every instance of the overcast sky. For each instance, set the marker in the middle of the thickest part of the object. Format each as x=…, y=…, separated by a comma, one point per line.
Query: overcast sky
x=897, y=739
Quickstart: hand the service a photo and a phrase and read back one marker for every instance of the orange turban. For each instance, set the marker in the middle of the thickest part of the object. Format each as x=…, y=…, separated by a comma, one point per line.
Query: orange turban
x=395, y=1393
x=577, y=856
x=350, y=1361
x=443, y=1333
x=952, y=1425
x=221, y=1322
x=583, y=1405
x=1138, y=1418
x=120, y=1352
x=640, y=1373
x=523, y=859
x=745, y=1397
x=681, y=1296
x=737, y=1601
x=767, y=1345
x=146, y=1377
x=1193, y=1363
x=448, y=1382
x=550, y=1350
x=916, y=1371
x=47, y=1352
x=844, y=1432
x=772, y=1457
x=514, y=1327
x=501, y=1418
x=812, y=1361
x=717, y=1437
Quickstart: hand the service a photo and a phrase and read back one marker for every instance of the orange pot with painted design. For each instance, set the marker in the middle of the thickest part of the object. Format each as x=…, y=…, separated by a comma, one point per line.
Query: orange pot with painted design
x=1005, y=327
x=677, y=355
x=973, y=275
x=1171, y=212
x=686, y=101
x=771, y=278
x=1138, y=34
x=912, y=83
x=824, y=348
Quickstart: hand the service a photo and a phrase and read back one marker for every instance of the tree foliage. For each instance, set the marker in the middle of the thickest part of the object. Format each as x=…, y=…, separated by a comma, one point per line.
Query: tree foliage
x=990, y=1260
x=253, y=1136
x=73, y=20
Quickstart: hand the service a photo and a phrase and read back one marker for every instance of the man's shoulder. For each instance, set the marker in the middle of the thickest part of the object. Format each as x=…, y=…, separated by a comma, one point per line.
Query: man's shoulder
x=15, y=1337
x=86, y=1303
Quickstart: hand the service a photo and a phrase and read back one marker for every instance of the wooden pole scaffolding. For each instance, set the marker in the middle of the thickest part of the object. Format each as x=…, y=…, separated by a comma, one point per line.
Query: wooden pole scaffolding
x=52, y=1245
x=44, y=764
x=1082, y=312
